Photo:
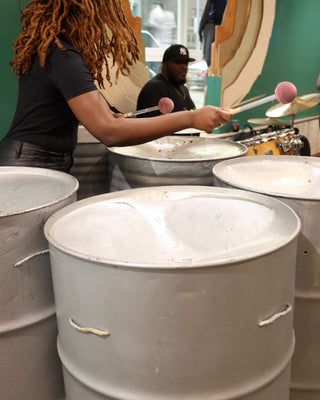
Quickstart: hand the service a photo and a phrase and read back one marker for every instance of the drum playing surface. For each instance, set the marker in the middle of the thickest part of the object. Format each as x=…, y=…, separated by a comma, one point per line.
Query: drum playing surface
x=172, y=222
x=183, y=148
x=26, y=188
x=293, y=176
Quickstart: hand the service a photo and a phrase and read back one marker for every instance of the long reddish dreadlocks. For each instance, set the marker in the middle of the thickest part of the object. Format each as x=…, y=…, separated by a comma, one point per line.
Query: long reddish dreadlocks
x=96, y=28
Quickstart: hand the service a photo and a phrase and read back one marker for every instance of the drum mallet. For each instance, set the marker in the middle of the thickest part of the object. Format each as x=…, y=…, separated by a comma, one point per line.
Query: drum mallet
x=285, y=93
x=165, y=106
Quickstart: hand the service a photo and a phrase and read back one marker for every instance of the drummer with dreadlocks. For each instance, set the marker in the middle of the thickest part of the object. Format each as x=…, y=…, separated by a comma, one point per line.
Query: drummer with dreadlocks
x=60, y=55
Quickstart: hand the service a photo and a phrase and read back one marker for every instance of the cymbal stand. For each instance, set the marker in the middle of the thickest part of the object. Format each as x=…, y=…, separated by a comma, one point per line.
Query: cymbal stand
x=292, y=119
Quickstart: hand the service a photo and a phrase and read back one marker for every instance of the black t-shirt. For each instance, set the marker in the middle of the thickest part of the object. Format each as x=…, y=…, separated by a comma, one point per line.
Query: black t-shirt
x=43, y=116
x=159, y=87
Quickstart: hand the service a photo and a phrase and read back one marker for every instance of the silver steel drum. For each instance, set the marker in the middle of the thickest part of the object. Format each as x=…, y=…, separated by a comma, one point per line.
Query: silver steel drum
x=296, y=181
x=169, y=161
x=173, y=293
x=90, y=165
x=29, y=364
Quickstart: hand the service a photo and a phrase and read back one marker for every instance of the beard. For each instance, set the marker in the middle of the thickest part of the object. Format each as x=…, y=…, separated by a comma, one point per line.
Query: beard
x=180, y=81
x=174, y=79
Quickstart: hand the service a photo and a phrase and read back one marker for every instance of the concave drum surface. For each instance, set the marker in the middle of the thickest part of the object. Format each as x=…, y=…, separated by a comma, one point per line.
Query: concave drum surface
x=90, y=165
x=173, y=292
x=29, y=364
x=296, y=181
x=169, y=161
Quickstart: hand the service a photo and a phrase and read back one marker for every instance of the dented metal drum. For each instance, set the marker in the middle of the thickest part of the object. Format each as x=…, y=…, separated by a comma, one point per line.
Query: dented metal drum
x=296, y=181
x=172, y=292
x=169, y=161
x=90, y=166
x=29, y=364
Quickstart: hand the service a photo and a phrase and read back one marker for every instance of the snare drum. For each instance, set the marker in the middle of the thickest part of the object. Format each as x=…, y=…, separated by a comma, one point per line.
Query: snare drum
x=272, y=143
x=264, y=144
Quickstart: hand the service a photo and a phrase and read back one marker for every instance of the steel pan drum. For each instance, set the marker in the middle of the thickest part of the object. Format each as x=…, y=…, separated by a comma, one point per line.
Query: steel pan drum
x=29, y=364
x=90, y=165
x=169, y=161
x=296, y=181
x=171, y=292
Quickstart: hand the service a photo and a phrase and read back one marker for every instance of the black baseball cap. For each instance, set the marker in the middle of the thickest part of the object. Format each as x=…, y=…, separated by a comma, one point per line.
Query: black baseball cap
x=176, y=52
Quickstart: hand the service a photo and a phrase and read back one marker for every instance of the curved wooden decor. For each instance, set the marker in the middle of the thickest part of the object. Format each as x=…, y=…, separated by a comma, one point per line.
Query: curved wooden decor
x=235, y=65
x=251, y=59
x=229, y=35
x=134, y=22
x=125, y=90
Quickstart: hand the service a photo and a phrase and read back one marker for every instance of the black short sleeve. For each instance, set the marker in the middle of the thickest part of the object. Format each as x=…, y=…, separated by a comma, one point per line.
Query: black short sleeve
x=69, y=73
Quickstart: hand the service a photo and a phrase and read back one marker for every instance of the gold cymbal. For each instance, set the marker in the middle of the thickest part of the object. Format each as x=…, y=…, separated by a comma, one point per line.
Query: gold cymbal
x=269, y=122
x=299, y=104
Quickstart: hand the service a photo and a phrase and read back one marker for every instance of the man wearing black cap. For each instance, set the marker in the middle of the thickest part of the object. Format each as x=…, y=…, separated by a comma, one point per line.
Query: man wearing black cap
x=169, y=83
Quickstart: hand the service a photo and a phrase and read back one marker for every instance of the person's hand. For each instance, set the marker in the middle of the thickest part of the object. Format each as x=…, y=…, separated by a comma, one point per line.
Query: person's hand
x=209, y=118
x=117, y=115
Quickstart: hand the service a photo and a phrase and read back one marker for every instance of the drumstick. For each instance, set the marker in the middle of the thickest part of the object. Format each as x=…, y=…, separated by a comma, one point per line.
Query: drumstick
x=165, y=106
x=285, y=92
x=242, y=103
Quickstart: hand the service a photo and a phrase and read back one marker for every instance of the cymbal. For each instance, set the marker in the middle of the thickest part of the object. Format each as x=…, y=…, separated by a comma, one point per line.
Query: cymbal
x=299, y=104
x=269, y=121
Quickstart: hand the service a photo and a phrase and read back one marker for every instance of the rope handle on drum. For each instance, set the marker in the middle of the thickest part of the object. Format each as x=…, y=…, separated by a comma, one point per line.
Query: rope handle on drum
x=25, y=259
x=277, y=315
x=95, y=331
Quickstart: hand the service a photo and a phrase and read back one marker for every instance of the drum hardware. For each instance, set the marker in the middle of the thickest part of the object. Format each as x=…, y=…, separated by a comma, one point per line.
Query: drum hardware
x=296, y=143
x=278, y=143
x=245, y=134
x=285, y=145
x=291, y=142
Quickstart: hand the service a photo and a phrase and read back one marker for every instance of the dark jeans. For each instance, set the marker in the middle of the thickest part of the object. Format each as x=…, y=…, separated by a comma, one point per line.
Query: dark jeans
x=23, y=154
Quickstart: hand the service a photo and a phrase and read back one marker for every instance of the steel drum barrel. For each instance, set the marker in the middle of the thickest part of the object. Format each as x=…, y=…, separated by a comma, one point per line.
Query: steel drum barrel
x=29, y=364
x=294, y=180
x=90, y=165
x=172, y=160
x=172, y=292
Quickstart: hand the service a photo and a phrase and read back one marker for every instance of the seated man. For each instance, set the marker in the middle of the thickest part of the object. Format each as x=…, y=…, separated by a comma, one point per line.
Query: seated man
x=169, y=83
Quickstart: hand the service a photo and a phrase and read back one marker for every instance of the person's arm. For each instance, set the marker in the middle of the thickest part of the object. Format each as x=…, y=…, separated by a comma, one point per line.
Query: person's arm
x=204, y=17
x=94, y=114
x=318, y=82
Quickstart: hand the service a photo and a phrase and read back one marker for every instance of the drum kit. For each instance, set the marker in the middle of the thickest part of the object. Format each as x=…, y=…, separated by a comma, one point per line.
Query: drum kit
x=280, y=137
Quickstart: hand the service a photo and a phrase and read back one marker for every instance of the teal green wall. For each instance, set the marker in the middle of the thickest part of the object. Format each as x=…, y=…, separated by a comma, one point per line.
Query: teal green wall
x=293, y=55
x=9, y=29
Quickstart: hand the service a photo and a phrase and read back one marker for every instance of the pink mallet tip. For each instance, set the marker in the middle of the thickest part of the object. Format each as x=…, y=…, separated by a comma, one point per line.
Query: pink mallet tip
x=166, y=105
x=285, y=92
